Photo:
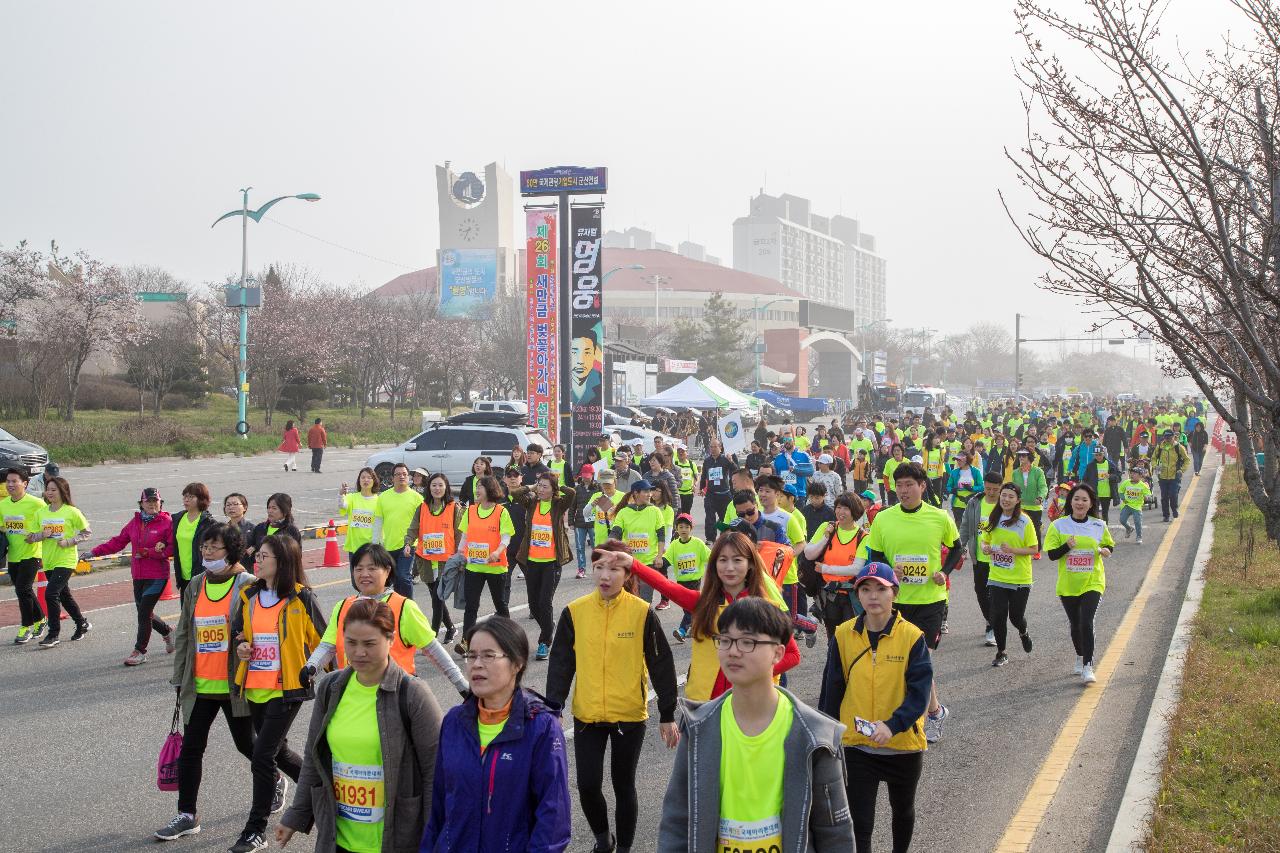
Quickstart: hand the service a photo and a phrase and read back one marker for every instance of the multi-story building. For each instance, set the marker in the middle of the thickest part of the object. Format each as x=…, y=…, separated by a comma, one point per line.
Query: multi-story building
x=828, y=259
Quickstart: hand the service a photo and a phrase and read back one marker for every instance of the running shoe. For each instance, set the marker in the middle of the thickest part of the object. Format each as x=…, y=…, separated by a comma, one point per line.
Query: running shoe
x=49, y=641
x=663, y=604
x=1001, y=660
x=1026, y=642
x=680, y=634
x=23, y=636
x=1139, y=540
x=946, y=628
x=280, y=794
x=1087, y=675
x=135, y=658
x=460, y=648
x=83, y=628
x=183, y=824
x=542, y=652
x=582, y=573
x=613, y=845
x=990, y=639
x=249, y=841
x=1128, y=531
x=38, y=628
x=449, y=633
x=1079, y=667
x=933, y=725
x=810, y=639
x=169, y=643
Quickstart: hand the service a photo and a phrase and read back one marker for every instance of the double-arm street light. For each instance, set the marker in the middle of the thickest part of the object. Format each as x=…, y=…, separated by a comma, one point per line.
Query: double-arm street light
x=240, y=297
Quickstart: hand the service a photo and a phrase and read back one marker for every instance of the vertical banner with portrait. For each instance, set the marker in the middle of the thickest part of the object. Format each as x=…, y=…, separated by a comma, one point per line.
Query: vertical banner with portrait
x=586, y=332
x=541, y=292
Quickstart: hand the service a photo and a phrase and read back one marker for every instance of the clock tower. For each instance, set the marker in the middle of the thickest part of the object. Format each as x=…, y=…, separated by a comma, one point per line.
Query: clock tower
x=477, y=213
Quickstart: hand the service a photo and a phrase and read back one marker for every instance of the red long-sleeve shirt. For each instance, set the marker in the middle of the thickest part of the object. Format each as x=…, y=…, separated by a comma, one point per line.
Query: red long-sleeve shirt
x=686, y=599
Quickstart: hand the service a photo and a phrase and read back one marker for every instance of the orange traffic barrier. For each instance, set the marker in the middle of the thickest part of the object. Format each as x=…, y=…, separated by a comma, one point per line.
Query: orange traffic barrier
x=169, y=593
x=41, y=582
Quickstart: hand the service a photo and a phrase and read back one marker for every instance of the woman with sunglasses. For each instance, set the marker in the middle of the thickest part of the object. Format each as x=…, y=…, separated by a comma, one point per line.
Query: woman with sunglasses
x=738, y=572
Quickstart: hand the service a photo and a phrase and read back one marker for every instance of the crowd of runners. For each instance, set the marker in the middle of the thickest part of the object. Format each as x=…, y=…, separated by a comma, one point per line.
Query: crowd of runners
x=851, y=533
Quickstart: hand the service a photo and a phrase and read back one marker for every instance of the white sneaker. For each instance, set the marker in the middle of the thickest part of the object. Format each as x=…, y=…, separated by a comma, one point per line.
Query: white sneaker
x=1087, y=676
x=1079, y=668
x=990, y=639
x=933, y=725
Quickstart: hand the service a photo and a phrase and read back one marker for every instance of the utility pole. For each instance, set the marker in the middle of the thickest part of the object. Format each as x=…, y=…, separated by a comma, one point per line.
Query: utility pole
x=1017, y=356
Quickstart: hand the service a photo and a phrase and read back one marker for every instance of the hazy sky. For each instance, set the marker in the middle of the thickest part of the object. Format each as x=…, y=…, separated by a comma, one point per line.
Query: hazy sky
x=130, y=126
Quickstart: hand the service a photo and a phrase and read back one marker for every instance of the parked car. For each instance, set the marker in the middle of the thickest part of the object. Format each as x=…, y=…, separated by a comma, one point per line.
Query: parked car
x=451, y=445
x=519, y=407
x=629, y=435
x=16, y=453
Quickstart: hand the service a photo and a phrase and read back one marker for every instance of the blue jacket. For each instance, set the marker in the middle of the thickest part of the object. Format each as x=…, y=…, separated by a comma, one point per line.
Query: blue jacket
x=513, y=797
x=800, y=465
x=1080, y=459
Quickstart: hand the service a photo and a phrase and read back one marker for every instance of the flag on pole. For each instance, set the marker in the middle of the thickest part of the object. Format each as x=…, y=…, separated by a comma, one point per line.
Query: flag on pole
x=732, y=435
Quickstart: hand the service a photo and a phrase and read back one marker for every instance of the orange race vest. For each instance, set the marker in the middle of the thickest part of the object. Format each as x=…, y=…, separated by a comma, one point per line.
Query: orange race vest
x=436, y=532
x=769, y=552
x=212, y=623
x=400, y=653
x=264, y=664
x=542, y=540
x=484, y=535
x=841, y=554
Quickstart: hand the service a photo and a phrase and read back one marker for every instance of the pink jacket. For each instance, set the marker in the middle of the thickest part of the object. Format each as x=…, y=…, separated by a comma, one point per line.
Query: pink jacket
x=292, y=442
x=145, y=563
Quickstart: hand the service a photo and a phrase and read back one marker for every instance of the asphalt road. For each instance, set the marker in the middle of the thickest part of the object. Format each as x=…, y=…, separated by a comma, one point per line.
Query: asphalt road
x=82, y=733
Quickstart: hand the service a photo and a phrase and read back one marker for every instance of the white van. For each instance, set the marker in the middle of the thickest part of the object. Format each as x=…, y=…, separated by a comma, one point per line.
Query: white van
x=918, y=397
x=518, y=407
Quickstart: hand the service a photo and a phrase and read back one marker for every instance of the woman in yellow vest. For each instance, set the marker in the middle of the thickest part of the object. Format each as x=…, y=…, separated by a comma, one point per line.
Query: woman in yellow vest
x=277, y=625
x=839, y=545
x=204, y=668
x=612, y=643
x=375, y=573
x=486, y=531
x=739, y=572
x=544, y=548
x=433, y=536
x=877, y=682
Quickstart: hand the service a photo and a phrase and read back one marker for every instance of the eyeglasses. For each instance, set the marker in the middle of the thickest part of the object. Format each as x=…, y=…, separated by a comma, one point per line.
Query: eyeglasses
x=212, y=546
x=485, y=658
x=746, y=645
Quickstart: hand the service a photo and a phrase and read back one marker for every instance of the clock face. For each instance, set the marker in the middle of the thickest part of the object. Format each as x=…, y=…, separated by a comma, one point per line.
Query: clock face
x=468, y=229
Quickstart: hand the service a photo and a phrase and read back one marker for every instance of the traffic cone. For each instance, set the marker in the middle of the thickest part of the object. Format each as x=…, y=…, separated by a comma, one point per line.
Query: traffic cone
x=332, y=556
x=169, y=593
x=42, y=581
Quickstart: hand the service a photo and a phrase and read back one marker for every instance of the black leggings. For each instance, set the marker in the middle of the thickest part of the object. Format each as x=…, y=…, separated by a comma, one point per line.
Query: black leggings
x=714, y=506
x=589, y=742
x=980, y=573
x=145, y=595
x=1080, y=612
x=57, y=595
x=473, y=584
x=1035, y=516
x=439, y=609
x=271, y=722
x=901, y=774
x=1008, y=606
x=195, y=737
x=22, y=573
x=541, y=577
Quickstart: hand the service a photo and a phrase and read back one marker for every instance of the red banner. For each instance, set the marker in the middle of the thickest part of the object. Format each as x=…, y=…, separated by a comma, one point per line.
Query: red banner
x=1224, y=441
x=541, y=290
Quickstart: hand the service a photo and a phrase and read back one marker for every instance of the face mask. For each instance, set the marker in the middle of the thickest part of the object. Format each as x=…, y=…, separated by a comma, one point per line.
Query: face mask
x=214, y=565
x=146, y=517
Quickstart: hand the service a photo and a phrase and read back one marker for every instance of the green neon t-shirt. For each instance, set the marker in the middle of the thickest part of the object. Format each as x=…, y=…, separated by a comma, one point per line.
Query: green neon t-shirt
x=912, y=543
x=358, y=785
x=19, y=520
x=359, y=511
x=184, y=539
x=1080, y=570
x=689, y=559
x=396, y=510
x=1009, y=568
x=751, y=770
x=640, y=527
x=64, y=523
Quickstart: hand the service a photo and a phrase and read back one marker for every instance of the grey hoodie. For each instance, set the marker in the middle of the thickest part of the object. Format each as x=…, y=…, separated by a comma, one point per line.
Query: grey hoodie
x=815, y=806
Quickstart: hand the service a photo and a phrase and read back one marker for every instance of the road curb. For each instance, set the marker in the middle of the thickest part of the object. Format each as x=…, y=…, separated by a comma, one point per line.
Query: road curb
x=1143, y=785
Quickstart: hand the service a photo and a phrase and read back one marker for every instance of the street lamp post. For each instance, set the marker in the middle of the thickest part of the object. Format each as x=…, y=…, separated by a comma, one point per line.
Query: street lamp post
x=242, y=396
x=758, y=310
x=911, y=368
x=657, y=280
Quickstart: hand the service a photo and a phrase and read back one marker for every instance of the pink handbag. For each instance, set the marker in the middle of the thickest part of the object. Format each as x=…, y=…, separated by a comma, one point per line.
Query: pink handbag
x=167, y=766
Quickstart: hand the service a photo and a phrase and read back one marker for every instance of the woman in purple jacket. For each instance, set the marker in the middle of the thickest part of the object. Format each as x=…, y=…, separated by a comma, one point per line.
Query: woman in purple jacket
x=150, y=534
x=501, y=777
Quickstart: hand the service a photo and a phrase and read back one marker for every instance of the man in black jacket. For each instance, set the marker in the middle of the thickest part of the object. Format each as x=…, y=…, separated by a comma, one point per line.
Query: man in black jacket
x=533, y=465
x=1116, y=441
x=715, y=487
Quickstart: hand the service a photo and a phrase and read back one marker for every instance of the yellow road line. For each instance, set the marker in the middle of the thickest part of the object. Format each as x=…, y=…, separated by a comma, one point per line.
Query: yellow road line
x=1021, y=831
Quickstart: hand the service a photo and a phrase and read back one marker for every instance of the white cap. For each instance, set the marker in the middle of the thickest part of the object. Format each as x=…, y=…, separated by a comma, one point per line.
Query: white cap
x=825, y=459
x=918, y=460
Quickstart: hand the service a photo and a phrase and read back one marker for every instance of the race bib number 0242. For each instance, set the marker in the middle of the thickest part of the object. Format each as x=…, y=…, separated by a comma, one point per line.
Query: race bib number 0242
x=914, y=568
